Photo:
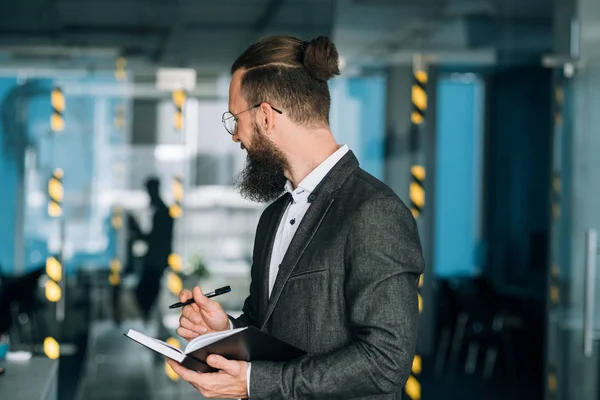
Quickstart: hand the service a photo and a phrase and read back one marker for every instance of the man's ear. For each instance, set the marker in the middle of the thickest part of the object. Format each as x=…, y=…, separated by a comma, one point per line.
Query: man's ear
x=266, y=117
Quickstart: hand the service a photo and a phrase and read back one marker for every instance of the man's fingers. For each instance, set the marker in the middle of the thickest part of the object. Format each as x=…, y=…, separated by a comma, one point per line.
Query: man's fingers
x=198, y=380
x=204, y=302
x=218, y=384
x=187, y=374
x=200, y=298
x=187, y=324
x=223, y=364
x=191, y=314
x=186, y=333
x=185, y=295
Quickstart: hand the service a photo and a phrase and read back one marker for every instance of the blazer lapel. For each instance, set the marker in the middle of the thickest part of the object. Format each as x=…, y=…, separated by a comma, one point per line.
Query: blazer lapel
x=268, y=251
x=321, y=203
x=306, y=230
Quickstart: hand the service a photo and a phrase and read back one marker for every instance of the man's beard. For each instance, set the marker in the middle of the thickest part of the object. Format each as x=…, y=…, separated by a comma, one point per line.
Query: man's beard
x=262, y=179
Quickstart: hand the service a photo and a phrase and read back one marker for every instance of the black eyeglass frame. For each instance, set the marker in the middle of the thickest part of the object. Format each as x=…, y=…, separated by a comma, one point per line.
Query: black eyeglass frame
x=227, y=115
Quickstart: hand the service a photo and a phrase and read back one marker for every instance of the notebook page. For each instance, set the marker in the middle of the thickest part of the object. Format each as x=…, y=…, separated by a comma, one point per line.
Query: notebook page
x=157, y=345
x=209, y=338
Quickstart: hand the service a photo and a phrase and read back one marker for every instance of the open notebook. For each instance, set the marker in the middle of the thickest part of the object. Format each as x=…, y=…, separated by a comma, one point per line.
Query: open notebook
x=243, y=344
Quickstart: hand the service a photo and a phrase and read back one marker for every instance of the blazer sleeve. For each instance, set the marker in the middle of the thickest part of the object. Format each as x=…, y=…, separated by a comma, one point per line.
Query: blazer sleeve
x=383, y=263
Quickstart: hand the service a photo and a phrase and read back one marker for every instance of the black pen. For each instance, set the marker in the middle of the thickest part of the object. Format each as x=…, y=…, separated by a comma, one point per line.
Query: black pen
x=217, y=292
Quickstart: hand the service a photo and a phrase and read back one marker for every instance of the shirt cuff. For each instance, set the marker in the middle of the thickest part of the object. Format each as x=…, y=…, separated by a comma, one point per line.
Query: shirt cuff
x=248, y=378
x=248, y=370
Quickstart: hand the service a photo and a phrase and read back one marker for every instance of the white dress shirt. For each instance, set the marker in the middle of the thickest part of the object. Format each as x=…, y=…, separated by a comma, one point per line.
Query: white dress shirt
x=294, y=214
x=297, y=209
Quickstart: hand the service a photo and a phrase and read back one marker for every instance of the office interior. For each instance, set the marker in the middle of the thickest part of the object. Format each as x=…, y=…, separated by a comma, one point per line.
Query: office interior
x=482, y=115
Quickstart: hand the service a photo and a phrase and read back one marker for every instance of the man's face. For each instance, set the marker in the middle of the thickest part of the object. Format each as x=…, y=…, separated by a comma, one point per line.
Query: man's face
x=262, y=178
x=238, y=106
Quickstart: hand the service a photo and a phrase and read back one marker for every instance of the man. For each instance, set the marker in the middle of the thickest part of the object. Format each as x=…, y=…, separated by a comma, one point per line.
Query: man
x=159, y=241
x=336, y=259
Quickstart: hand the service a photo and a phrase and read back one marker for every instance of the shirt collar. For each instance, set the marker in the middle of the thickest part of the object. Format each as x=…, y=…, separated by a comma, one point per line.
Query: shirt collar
x=310, y=182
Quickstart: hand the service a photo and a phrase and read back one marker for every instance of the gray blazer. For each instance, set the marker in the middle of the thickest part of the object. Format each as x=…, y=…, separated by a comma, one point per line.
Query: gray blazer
x=346, y=292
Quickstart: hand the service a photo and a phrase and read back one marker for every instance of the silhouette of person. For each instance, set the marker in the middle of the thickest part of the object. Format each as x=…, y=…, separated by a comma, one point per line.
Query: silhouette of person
x=159, y=243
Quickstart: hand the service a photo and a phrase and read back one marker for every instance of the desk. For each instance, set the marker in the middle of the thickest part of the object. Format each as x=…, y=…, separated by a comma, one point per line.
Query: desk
x=36, y=379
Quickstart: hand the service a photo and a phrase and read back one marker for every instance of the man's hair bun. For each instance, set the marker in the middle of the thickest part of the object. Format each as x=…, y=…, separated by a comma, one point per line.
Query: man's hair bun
x=321, y=58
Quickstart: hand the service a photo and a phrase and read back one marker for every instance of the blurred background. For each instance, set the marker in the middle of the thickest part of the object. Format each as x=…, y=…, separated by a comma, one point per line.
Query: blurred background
x=483, y=115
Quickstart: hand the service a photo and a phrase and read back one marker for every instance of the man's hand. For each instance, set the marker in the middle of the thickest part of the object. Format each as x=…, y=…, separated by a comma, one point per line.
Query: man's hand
x=230, y=382
x=203, y=316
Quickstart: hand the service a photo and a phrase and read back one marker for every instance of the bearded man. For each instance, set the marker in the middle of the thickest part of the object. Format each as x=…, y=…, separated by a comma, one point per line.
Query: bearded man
x=337, y=257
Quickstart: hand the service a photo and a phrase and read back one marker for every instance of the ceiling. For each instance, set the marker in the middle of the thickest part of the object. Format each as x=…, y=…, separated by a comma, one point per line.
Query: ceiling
x=209, y=34
x=392, y=31
x=196, y=33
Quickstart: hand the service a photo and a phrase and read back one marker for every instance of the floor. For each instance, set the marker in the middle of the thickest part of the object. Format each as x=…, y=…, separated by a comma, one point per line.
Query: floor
x=119, y=369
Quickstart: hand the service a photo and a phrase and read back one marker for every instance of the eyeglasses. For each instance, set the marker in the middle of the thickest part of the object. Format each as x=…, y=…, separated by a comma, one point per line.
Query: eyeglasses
x=230, y=120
